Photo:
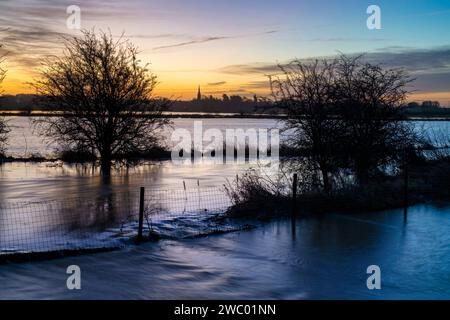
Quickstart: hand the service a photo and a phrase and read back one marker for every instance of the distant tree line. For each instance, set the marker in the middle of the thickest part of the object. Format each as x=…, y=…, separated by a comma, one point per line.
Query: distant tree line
x=424, y=104
x=426, y=109
x=228, y=104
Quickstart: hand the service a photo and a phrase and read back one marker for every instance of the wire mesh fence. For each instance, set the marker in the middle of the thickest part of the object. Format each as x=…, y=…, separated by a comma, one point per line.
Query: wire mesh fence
x=116, y=219
x=107, y=222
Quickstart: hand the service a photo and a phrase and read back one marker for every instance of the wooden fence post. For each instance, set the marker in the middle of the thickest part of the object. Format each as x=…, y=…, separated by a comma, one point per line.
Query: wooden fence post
x=294, y=195
x=141, y=214
x=406, y=187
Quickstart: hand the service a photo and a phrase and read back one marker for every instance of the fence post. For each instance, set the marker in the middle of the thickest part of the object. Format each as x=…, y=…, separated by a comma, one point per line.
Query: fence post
x=141, y=214
x=406, y=186
x=185, y=192
x=294, y=195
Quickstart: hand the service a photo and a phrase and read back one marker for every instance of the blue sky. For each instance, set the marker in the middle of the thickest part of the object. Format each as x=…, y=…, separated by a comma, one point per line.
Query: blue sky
x=230, y=46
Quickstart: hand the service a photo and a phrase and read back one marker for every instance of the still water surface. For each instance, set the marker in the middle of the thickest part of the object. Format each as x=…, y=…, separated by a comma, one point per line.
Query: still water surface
x=25, y=141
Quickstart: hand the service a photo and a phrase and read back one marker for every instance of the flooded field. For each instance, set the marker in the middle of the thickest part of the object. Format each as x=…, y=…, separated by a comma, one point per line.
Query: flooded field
x=320, y=258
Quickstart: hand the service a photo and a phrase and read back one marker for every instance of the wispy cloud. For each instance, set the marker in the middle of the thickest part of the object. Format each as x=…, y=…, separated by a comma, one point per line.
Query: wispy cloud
x=430, y=67
x=258, y=85
x=240, y=91
x=188, y=43
x=344, y=39
x=34, y=28
x=433, y=82
x=160, y=36
x=216, y=84
x=210, y=39
x=413, y=60
x=27, y=47
x=250, y=68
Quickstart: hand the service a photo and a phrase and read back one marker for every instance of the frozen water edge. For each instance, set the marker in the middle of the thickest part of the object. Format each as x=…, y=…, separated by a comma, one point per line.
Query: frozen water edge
x=160, y=226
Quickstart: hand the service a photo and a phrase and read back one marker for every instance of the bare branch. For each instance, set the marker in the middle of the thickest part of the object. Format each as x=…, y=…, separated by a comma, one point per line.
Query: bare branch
x=107, y=98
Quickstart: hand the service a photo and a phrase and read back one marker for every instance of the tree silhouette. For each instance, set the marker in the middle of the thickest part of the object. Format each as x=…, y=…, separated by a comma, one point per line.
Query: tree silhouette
x=344, y=113
x=106, y=95
x=369, y=100
x=306, y=92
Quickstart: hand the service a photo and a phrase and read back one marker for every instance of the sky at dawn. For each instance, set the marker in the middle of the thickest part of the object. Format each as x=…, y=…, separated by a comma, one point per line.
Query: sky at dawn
x=231, y=46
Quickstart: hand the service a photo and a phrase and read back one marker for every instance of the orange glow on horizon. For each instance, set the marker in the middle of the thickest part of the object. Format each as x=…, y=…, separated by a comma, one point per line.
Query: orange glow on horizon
x=183, y=85
x=442, y=97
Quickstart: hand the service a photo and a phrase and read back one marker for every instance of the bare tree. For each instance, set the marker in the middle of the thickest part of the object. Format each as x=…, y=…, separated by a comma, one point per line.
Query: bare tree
x=368, y=99
x=345, y=114
x=306, y=91
x=3, y=137
x=106, y=97
x=3, y=127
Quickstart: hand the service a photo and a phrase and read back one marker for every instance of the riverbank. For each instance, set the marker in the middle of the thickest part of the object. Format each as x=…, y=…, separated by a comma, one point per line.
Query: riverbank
x=246, y=153
x=445, y=116
x=192, y=115
x=424, y=181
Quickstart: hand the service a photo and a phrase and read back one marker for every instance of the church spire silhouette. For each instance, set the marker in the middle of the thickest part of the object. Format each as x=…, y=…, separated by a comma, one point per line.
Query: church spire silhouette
x=199, y=94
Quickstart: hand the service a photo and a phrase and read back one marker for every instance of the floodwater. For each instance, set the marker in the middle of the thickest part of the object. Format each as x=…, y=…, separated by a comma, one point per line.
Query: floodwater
x=24, y=140
x=49, y=180
x=319, y=258
x=47, y=208
x=323, y=257
x=49, y=205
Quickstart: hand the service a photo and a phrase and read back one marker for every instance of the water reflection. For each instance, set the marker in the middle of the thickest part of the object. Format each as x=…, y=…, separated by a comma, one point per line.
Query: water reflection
x=43, y=181
x=41, y=202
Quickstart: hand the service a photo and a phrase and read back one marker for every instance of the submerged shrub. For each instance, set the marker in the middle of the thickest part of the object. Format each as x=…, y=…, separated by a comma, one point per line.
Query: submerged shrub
x=3, y=137
x=255, y=192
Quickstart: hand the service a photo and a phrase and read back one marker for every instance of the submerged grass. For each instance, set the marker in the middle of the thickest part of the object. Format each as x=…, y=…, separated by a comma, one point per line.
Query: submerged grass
x=253, y=195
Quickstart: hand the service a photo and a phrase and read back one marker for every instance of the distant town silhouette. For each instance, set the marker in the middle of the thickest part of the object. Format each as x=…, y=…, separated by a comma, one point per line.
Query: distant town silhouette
x=213, y=104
